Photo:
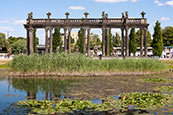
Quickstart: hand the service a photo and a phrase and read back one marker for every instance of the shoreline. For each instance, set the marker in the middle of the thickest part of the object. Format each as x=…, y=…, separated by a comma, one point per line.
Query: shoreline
x=94, y=74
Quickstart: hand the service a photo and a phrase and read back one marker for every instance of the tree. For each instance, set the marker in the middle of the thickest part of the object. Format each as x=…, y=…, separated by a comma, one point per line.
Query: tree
x=138, y=37
x=57, y=41
x=110, y=41
x=80, y=40
x=19, y=46
x=116, y=40
x=132, y=42
x=94, y=40
x=168, y=36
x=157, y=43
x=36, y=40
x=12, y=40
x=4, y=44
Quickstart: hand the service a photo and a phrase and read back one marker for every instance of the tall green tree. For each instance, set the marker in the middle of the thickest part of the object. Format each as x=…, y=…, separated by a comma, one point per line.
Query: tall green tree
x=19, y=46
x=157, y=43
x=138, y=37
x=132, y=42
x=116, y=40
x=80, y=40
x=167, y=34
x=3, y=43
x=110, y=41
x=36, y=40
x=94, y=40
x=57, y=41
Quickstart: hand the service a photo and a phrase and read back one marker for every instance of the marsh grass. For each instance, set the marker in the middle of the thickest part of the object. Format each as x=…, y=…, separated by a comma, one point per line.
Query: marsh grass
x=62, y=62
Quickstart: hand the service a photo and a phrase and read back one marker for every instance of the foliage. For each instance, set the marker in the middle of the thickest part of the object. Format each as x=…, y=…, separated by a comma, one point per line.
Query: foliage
x=145, y=99
x=36, y=40
x=57, y=41
x=80, y=40
x=19, y=46
x=4, y=44
x=116, y=40
x=166, y=88
x=162, y=80
x=132, y=42
x=110, y=41
x=61, y=62
x=167, y=36
x=138, y=37
x=62, y=106
x=142, y=101
x=157, y=43
x=94, y=40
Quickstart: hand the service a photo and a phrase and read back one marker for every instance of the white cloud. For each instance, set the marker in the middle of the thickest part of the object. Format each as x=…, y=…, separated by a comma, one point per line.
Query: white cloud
x=165, y=19
x=76, y=8
x=134, y=0
x=6, y=28
x=169, y=2
x=111, y=1
x=4, y=21
x=19, y=22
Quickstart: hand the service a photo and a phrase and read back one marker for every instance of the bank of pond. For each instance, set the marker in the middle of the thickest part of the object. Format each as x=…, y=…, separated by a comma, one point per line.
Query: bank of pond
x=88, y=95
x=61, y=64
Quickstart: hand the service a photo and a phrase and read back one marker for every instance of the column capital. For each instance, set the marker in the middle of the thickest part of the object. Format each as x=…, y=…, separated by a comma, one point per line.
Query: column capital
x=30, y=28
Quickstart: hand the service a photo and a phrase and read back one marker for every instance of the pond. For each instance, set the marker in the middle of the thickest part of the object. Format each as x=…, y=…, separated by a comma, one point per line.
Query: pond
x=85, y=88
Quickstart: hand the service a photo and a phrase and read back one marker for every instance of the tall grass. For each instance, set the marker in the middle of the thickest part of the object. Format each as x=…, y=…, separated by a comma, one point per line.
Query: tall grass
x=62, y=62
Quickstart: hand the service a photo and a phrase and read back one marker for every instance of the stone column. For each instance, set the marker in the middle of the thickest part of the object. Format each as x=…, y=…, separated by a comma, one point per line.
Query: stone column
x=50, y=42
x=145, y=42
x=27, y=31
x=122, y=42
x=103, y=41
x=84, y=42
x=65, y=40
x=46, y=43
x=31, y=40
x=88, y=42
x=127, y=42
x=69, y=40
x=107, y=43
x=141, y=43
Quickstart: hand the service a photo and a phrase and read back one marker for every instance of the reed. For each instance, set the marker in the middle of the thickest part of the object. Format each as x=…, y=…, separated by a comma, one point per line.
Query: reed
x=61, y=62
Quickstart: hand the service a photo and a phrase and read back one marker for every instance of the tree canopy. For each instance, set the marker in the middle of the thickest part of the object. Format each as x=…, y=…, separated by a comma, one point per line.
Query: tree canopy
x=57, y=41
x=167, y=34
x=132, y=42
x=157, y=43
x=116, y=40
x=138, y=37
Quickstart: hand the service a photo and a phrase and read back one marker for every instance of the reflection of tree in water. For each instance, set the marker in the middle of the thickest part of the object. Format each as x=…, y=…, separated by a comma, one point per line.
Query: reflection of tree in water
x=51, y=87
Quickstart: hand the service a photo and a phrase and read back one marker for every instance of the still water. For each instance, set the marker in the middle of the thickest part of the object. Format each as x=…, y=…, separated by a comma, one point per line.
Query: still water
x=13, y=90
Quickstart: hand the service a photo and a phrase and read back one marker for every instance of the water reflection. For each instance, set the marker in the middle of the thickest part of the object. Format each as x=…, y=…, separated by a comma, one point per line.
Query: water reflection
x=51, y=88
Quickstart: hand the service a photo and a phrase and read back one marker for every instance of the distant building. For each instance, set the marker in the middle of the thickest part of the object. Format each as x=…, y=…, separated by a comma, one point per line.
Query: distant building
x=167, y=52
x=117, y=51
x=6, y=56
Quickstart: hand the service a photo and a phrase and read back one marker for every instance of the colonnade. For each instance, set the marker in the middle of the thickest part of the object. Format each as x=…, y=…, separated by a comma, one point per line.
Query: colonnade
x=86, y=48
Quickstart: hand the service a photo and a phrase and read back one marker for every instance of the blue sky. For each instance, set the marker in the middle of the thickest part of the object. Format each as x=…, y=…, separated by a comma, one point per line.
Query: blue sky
x=14, y=12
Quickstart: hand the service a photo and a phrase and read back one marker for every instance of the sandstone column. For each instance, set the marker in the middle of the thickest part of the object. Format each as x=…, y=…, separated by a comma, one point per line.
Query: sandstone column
x=88, y=42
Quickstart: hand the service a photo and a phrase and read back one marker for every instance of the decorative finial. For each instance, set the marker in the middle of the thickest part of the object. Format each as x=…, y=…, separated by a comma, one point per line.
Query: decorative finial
x=106, y=15
x=86, y=14
x=67, y=14
x=103, y=14
x=143, y=14
x=48, y=15
x=30, y=15
x=122, y=15
x=127, y=15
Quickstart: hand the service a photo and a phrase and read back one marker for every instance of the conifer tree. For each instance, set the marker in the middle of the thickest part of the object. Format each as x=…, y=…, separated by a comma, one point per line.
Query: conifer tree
x=157, y=43
x=57, y=41
x=132, y=42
